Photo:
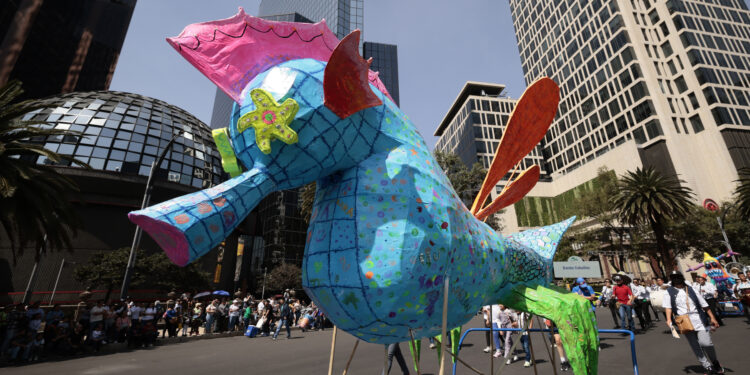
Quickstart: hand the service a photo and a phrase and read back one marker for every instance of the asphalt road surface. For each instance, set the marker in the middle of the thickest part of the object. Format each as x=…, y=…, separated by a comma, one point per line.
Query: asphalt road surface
x=307, y=353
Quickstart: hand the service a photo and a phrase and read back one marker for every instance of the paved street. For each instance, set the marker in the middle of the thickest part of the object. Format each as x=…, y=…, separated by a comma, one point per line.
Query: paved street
x=658, y=353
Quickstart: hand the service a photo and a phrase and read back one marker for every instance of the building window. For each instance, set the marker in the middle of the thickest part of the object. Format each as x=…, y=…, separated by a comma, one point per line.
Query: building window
x=695, y=121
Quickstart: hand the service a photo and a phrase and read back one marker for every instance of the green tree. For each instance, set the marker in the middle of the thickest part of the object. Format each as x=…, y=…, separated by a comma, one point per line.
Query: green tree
x=155, y=271
x=647, y=197
x=34, y=198
x=742, y=194
x=466, y=181
x=106, y=269
x=284, y=276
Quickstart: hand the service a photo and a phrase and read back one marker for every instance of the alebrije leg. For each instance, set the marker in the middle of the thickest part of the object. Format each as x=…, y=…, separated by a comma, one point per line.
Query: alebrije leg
x=573, y=316
x=415, y=347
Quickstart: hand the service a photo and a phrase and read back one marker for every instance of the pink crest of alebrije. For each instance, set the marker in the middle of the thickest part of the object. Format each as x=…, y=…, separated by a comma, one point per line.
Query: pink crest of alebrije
x=232, y=51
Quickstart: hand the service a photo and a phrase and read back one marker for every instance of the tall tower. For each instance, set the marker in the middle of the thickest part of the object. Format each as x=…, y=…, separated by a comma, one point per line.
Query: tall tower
x=342, y=16
x=62, y=46
x=643, y=83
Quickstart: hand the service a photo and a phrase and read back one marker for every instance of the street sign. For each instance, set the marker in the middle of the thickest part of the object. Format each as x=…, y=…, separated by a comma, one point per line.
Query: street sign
x=710, y=205
x=577, y=269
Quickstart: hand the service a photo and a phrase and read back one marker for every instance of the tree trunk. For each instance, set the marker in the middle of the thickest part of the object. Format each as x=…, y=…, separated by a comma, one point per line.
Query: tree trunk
x=109, y=292
x=654, y=263
x=667, y=256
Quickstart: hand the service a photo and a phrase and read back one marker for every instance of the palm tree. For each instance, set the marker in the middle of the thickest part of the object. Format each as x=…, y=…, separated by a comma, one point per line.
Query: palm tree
x=646, y=197
x=743, y=194
x=34, y=198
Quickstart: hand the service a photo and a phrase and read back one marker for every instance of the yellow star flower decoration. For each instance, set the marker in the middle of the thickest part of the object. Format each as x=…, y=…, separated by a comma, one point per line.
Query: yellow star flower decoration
x=270, y=120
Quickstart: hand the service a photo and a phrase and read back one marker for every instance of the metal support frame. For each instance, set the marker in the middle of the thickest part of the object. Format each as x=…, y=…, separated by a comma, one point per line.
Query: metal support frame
x=632, y=339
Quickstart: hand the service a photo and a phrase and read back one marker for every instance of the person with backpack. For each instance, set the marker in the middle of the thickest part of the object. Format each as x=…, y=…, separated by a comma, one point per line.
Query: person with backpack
x=694, y=319
x=285, y=319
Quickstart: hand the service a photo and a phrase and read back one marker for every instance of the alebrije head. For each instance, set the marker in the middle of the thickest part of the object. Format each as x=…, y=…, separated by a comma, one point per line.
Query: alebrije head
x=293, y=83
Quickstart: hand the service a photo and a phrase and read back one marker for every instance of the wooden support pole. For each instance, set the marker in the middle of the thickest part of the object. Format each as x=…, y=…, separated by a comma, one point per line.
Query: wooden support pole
x=346, y=369
x=531, y=348
x=444, y=330
x=333, y=347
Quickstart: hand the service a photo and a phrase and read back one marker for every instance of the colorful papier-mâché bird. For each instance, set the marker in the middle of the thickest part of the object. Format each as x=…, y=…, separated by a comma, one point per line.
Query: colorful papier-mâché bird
x=387, y=227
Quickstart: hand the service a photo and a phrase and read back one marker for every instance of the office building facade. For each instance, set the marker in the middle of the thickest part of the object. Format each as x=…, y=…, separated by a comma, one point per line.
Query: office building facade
x=60, y=46
x=474, y=125
x=642, y=83
x=342, y=16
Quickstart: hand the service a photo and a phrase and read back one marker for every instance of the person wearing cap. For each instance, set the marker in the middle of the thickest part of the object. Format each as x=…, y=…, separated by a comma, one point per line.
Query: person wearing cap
x=584, y=290
x=234, y=315
x=625, y=297
x=709, y=292
x=683, y=300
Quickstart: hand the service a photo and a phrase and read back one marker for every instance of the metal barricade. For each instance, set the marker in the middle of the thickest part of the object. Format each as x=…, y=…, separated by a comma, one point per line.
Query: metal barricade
x=632, y=340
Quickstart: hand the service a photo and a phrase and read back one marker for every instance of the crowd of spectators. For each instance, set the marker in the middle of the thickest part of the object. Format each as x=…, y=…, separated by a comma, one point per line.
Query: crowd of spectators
x=30, y=332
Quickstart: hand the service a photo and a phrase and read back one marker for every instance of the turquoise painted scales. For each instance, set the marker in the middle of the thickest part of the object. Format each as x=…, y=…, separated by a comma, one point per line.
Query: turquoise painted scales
x=387, y=226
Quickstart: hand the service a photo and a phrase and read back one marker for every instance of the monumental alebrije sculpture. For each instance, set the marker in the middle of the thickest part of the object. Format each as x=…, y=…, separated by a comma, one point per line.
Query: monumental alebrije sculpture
x=387, y=228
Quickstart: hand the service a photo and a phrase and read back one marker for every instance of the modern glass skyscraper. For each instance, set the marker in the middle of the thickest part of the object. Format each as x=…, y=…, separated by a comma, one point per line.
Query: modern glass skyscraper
x=342, y=16
x=642, y=83
x=385, y=62
x=63, y=45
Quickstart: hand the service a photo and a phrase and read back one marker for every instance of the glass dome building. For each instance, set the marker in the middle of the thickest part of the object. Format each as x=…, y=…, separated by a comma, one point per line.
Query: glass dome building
x=124, y=133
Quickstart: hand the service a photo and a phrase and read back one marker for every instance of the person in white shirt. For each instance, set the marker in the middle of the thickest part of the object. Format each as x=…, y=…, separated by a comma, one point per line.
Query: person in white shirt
x=234, y=315
x=682, y=300
x=149, y=314
x=608, y=299
x=487, y=324
x=135, y=312
x=742, y=290
x=97, y=316
x=641, y=303
x=709, y=292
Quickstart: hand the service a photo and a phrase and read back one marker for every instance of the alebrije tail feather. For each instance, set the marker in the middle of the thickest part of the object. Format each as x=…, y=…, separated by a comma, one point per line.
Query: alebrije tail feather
x=543, y=240
x=573, y=316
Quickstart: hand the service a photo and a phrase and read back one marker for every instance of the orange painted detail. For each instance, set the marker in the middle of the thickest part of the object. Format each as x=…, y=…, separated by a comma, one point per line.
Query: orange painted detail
x=369, y=274
x=515, y=191
x=346, y=87
x=182, y=219
x=530, y=120
x=204, y=208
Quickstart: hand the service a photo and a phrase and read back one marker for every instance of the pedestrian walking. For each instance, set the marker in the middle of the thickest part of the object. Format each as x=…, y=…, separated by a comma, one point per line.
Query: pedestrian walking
x=693, y=318
x=285, y=319
x=709, y=293
x=394, y=350
x=625, y=297
x=609, y=301
x=641, y=303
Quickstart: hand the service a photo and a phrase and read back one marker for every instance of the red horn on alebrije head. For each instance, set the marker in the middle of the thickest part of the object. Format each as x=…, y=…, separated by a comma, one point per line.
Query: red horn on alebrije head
x=345, y=83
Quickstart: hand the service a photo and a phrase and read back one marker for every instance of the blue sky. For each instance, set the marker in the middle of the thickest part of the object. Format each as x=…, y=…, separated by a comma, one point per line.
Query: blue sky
x=441, y=45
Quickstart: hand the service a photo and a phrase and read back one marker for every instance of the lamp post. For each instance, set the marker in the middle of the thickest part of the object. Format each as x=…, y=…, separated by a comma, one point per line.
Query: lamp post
x=712, y=206
x=138, y=231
